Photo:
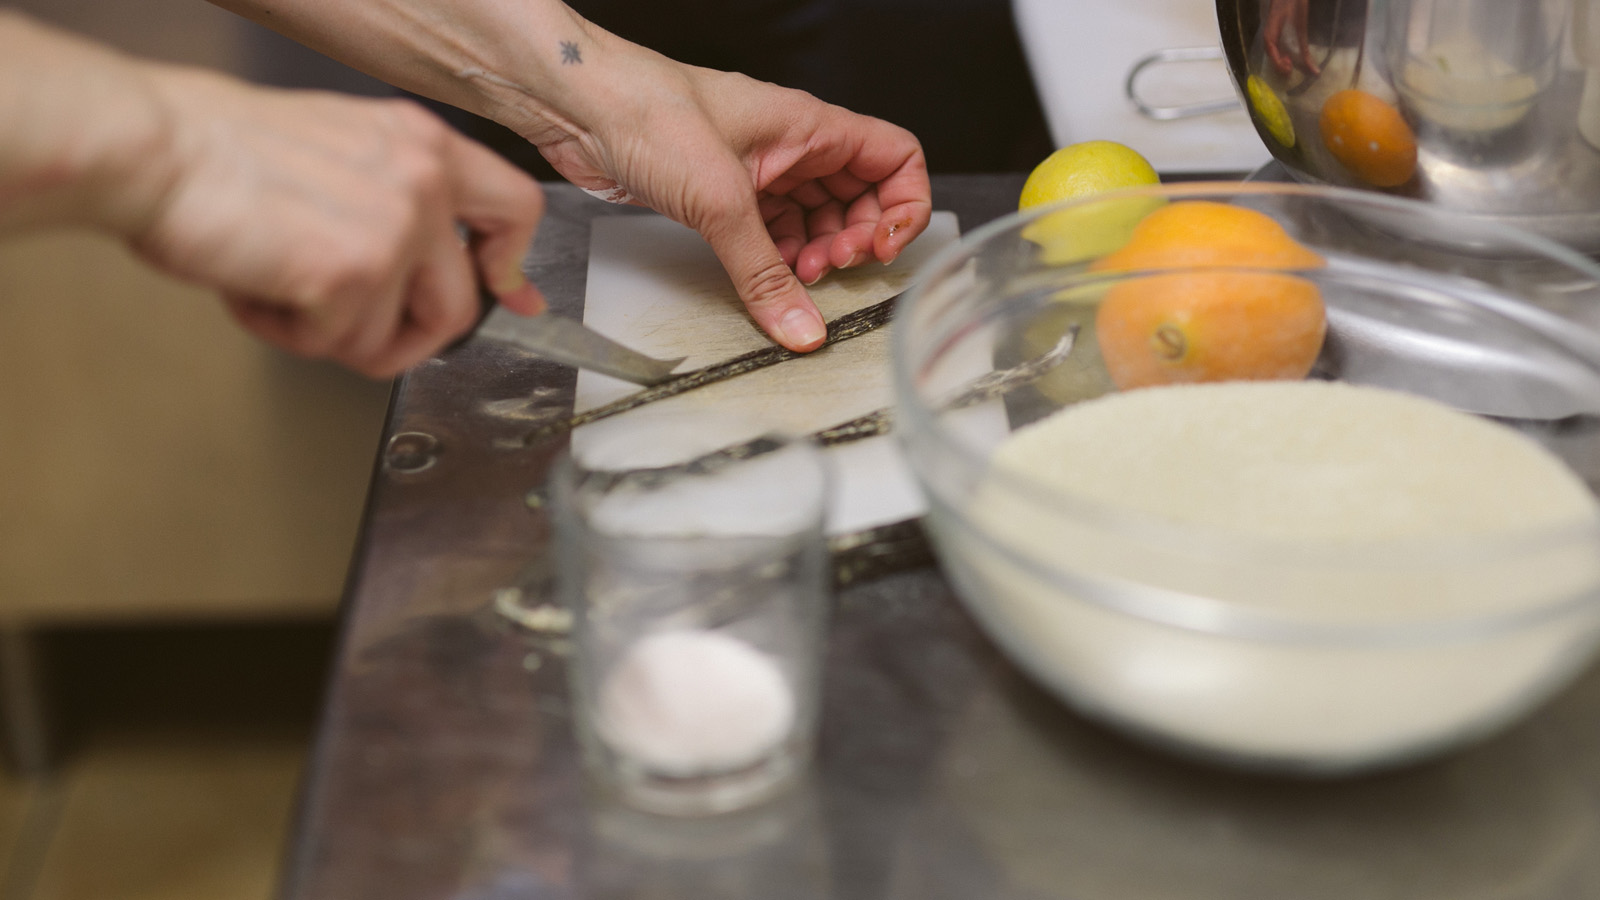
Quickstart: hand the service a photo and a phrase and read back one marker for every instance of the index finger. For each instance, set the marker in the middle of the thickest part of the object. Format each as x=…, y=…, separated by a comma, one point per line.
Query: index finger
x=502, y=206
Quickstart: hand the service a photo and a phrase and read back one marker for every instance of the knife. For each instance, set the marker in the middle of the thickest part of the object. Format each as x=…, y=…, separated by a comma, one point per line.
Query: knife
x=569, y=342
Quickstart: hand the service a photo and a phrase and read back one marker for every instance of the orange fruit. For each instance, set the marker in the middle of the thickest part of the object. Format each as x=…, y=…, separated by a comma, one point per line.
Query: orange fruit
x=1206, y=232
x=1220, y=313
x=1369, y=137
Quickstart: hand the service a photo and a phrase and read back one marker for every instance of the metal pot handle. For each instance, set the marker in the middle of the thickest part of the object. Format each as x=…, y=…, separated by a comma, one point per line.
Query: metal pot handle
x=1184, y=111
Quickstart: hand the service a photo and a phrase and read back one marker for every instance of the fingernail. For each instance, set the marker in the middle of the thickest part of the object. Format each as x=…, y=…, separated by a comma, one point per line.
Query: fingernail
x=820, y=272
x=525, y=300
x=802, y=328
x=856, y=258
x=512, y=281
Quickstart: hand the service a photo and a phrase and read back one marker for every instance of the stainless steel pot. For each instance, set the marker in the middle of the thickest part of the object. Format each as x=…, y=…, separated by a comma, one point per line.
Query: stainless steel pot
x=1489, y=107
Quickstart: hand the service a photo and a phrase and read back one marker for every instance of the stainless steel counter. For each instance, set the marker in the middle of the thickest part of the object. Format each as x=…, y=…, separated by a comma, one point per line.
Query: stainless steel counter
x=445, y=766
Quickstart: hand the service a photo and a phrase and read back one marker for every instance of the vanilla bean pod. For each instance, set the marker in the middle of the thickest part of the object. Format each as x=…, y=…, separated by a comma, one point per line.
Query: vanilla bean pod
x=875, y=552
x=849, y=325
x=988, y=387
x=872, y=424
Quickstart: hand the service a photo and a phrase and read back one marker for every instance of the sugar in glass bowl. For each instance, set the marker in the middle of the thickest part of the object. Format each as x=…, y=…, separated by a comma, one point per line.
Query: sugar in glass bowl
x=1171, y=565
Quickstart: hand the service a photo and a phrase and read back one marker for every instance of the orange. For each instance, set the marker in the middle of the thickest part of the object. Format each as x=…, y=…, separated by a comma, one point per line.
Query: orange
x=1369, y=137
x=1206, y=232
x=1225, y=315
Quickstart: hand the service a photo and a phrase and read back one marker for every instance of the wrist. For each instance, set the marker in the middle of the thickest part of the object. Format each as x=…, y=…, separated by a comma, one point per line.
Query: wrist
x=88, y=140
x=606, y=87
x=136, y=159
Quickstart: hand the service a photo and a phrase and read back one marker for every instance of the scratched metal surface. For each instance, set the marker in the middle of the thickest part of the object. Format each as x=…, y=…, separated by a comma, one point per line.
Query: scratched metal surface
x=445, y=767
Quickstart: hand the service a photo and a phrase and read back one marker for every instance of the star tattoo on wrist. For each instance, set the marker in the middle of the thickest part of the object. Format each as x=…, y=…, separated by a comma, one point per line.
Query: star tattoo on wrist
x=570, y=54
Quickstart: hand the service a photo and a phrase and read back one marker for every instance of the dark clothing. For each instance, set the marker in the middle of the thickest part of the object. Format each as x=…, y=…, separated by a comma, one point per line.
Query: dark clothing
x=950, y=71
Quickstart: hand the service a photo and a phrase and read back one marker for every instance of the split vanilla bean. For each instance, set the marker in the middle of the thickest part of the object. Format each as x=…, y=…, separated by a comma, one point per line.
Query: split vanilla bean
x=857, y=557
x=873, y=424
x=845, y=327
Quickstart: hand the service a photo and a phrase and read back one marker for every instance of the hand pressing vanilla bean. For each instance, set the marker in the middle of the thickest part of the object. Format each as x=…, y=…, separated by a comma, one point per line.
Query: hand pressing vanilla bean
x=329, y=223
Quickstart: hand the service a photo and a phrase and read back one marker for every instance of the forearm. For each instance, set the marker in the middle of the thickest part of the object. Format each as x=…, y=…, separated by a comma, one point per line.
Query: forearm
x=84, y=136
x=533, y=65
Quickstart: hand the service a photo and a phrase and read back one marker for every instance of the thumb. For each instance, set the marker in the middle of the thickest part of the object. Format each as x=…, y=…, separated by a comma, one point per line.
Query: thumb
x=775, y=298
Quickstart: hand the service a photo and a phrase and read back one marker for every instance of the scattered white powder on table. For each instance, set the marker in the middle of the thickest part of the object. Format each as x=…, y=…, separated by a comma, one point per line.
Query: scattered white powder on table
x=694, y=702
x=1315, y=502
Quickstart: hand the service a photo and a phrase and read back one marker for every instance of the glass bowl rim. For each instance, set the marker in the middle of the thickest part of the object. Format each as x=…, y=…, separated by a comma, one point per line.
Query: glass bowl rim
x=921, y=423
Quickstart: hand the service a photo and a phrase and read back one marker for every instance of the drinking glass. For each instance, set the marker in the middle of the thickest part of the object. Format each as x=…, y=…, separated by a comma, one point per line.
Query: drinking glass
x=692, y=555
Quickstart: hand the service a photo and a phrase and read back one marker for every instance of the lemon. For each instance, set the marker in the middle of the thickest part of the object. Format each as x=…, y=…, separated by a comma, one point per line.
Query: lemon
x=1269, y=107
x=1080, y=171
x=1081, y=232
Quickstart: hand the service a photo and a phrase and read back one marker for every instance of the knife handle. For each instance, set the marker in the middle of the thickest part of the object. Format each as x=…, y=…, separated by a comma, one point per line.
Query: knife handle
x=486, y=304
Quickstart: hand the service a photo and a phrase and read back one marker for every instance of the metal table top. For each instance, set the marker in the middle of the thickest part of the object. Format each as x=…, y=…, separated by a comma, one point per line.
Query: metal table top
x=445, y=765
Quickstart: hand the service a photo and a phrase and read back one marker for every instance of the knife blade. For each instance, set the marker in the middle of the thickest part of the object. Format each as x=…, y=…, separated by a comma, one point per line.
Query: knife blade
x=569, y=342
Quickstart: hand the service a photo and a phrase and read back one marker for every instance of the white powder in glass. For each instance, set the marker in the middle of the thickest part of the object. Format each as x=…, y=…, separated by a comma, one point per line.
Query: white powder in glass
x=694, y=702
x=1288, y=499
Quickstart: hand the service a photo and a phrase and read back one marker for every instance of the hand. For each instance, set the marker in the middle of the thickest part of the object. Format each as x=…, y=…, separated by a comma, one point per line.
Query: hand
x=330, y=223
x=772, y=178
x=784, y=187
x=1282, y=14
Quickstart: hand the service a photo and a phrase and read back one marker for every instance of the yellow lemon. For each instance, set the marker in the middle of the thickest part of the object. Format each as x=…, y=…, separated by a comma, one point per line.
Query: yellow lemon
x=1270, y=110
x=1080, y=171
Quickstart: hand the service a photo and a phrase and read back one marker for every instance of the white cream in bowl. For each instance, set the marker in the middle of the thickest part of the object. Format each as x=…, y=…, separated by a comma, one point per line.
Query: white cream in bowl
x=1302, y=575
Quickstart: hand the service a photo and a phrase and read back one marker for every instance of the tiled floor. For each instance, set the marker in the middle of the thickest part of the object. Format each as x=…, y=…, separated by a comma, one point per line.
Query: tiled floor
x=177, y=507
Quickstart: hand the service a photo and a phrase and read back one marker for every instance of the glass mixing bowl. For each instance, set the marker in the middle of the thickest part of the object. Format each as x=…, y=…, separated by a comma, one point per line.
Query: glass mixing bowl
x=1264, y=650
